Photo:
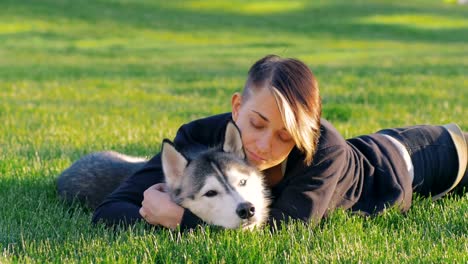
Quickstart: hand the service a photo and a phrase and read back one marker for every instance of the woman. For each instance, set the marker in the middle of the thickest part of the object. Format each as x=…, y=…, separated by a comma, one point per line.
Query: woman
x=309, y=167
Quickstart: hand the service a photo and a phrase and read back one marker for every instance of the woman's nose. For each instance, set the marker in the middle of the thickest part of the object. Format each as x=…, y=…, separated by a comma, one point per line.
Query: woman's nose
x=264, y=142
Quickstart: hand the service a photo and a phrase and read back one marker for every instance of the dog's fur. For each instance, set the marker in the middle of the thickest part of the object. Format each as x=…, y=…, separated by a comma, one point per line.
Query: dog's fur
x=217, y=185
x=90, y=179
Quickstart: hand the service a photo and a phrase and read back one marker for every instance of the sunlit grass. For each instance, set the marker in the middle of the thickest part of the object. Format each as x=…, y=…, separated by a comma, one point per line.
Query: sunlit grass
x=246, y=7
x=84, y=76
x=421, y=21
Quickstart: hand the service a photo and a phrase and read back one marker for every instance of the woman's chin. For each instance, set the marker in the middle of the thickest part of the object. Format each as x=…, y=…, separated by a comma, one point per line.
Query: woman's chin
x=261, y=166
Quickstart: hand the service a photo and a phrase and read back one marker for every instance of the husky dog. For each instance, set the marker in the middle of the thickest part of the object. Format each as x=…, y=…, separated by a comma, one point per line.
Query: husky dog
x=217, y=185
x=90, y=179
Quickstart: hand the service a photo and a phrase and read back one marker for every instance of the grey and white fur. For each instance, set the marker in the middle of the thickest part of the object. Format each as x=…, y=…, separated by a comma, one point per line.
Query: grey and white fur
x=217, y=185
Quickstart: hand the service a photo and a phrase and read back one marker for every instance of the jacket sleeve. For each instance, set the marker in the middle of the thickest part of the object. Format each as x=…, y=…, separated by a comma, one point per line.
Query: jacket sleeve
x=308, y=191
x=123, y=205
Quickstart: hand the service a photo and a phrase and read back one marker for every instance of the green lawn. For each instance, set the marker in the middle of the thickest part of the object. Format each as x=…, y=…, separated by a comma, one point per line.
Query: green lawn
x=88, y=75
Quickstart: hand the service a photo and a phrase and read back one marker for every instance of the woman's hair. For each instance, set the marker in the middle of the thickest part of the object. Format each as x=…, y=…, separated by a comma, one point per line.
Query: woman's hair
x=297, y=95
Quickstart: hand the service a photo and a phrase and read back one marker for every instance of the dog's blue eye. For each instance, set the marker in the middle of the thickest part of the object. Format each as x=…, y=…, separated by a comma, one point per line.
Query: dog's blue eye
x=211, y=193
x=242, y=182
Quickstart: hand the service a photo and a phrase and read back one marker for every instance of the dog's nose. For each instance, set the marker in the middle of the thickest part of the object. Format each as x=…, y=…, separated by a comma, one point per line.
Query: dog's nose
x=245, y=210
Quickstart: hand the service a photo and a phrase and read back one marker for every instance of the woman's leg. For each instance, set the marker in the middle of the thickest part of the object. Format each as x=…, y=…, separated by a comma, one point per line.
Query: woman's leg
x=434, y=157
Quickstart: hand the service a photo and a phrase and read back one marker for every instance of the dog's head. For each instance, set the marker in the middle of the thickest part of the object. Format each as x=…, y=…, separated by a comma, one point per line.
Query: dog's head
x=217, y=185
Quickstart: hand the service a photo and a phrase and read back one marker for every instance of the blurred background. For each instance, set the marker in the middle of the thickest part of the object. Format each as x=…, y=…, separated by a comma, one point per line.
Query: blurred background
x=91, y=74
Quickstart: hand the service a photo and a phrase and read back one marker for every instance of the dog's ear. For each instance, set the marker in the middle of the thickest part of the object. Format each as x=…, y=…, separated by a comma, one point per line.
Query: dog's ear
x=233, y=140
x=173, y=163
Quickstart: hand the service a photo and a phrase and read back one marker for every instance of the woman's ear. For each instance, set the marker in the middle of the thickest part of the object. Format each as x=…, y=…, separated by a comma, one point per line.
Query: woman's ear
x=236, y=102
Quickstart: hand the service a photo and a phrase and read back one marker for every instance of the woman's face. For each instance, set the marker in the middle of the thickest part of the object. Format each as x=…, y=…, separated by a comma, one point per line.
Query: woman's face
x=266, y=141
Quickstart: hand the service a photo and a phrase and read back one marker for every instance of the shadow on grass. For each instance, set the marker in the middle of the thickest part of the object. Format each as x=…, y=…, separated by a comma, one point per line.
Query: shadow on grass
x=112, y=71
x=30, y=201
x=336, y=20
x=339, y=19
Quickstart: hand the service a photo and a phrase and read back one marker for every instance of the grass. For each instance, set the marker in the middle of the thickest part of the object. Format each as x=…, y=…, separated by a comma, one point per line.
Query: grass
x=83, y=76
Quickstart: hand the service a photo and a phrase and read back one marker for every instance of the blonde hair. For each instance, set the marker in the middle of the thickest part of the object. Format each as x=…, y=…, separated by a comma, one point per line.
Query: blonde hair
x=297, y=95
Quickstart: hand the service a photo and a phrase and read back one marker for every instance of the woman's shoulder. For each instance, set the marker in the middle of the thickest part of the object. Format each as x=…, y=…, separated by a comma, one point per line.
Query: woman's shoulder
x=207, y=126
x=329, y=136
x=203, y=132
x=219, y=119
x=331, y=145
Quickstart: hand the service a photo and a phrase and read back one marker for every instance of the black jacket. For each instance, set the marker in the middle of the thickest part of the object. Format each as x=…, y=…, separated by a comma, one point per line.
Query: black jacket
x=365, y=174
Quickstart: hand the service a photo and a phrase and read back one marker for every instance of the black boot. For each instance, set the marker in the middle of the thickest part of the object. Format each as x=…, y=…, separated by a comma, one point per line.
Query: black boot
x=459, y=141
x=462, y=187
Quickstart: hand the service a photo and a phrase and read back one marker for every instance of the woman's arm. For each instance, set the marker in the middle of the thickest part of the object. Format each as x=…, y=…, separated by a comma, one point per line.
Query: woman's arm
x=308, y=192
x=123, y=205
x=157, y=207
x=333, y=180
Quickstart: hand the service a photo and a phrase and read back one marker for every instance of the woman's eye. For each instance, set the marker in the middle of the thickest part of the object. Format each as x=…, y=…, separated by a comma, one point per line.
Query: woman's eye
x=211, y=193
x=242, y=182
x=285, y=137
x=256, y=124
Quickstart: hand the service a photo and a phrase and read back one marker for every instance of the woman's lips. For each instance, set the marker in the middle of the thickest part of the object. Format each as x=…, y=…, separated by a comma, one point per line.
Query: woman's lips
x=254, y=157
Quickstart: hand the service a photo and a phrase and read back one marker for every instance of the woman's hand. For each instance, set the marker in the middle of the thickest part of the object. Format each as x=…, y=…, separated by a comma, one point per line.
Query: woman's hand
x=157, y=207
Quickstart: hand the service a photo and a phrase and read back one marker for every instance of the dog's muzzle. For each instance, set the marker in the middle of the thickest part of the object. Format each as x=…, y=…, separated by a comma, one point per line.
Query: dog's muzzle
x=245, y=210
